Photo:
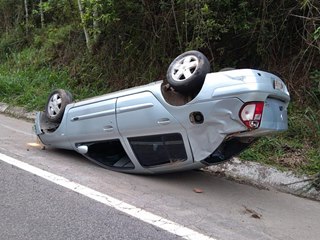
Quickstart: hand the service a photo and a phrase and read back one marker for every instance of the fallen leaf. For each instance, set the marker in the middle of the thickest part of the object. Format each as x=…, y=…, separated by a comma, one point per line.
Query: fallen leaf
x=198, y=190
x=253, y=213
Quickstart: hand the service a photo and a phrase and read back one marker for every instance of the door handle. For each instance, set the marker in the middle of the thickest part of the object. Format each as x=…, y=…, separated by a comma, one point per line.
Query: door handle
x=164, y=121
x=108, y=128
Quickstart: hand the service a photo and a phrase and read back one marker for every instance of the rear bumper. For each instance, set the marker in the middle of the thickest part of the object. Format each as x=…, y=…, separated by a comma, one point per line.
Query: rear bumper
x=245, y=84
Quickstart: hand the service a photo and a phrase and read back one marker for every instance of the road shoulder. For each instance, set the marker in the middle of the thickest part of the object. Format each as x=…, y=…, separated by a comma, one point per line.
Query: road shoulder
x=266, y=177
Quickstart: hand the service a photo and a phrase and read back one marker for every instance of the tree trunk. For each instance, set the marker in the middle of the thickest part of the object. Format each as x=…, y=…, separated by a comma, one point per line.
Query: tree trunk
x=95, y=22
x=86, y=34
x=176, y=24
x=41, y=14
x=26, y=16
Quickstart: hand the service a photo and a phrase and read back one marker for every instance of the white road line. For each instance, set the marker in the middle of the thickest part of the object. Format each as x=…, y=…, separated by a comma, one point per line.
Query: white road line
x=131, y=210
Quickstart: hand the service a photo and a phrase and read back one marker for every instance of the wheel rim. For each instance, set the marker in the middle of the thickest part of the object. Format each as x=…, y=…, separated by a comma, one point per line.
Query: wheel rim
x=54, y=106
x=185, y=68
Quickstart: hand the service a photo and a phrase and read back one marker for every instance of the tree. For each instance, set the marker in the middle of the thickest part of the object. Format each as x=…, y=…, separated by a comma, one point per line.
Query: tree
x=83, y=23
x=26, y=16
x=41, y=14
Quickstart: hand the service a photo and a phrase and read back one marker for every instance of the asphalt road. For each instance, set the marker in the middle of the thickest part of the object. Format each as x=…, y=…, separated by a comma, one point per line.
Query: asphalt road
x=34, y=208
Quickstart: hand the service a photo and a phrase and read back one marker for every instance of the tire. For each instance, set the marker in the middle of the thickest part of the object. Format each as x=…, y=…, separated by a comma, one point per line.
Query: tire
x=56, y=104
x=187, y=72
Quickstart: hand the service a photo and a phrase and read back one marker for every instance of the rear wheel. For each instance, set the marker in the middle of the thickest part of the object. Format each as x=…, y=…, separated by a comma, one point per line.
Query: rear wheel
x=56, y=104
x=187, y=72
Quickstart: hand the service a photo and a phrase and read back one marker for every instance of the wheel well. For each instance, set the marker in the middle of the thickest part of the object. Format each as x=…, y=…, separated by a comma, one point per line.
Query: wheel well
x=176, y=98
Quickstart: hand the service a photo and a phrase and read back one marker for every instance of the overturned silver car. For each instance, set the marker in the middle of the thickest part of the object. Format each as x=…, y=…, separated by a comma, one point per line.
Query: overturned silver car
x=192, y=120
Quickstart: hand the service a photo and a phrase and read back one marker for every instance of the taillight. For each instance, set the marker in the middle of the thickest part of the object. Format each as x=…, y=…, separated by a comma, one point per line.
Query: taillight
x=251, y=114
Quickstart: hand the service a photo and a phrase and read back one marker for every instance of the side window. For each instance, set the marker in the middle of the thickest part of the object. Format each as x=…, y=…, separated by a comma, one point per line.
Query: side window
x=109, y=153
x=158, y=149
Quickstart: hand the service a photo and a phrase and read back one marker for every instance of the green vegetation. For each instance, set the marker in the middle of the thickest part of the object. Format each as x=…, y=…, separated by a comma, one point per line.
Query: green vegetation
x=92, y=47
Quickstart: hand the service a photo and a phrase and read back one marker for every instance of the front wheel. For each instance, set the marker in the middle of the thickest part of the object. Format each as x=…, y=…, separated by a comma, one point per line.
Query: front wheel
x=187, y=72
x=56, y=104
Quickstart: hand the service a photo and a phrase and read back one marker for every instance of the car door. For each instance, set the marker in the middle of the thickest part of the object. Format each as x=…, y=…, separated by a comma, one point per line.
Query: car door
x=153, y=135
x=92, y=131
x=93, y=121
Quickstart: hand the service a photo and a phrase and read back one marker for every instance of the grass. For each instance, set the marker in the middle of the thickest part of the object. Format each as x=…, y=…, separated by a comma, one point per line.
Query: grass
x=25, y=80
x=29, y=87
x=297, y=149
x=284, y=154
